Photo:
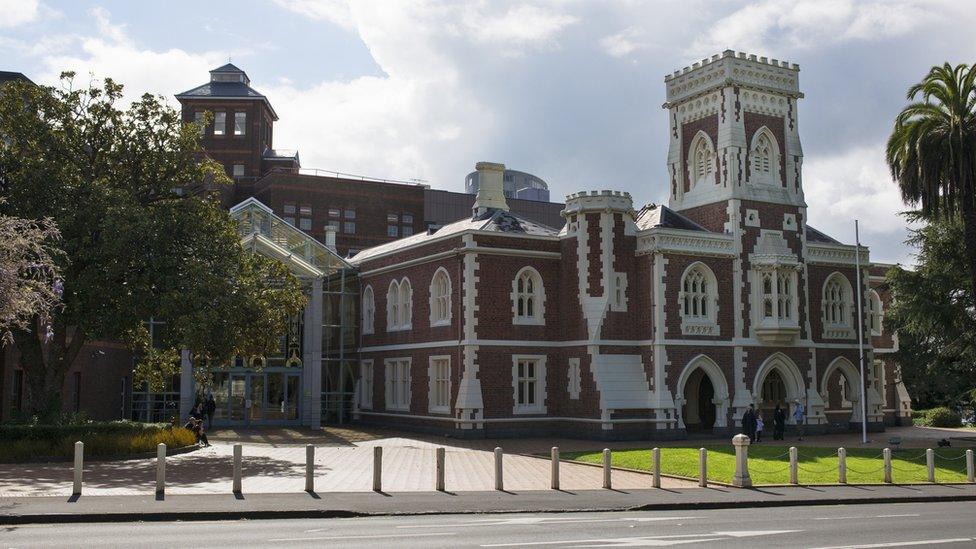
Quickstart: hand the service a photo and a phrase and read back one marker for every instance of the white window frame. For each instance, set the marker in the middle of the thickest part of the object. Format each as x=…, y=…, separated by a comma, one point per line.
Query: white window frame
x=369, y=310
x=397, y=382
x=440, y=304
x=439, y=385
x=366, y=384
x=243, y=127
x=618, y=301
x=537, y=295
x=875, y=313
x=692, y=323
x=701, y=161
x=539, y=379
x=574, y=378
x=837, y=307
x=220, y=124
x=236, y=172
x=399, y=305
x=772, y=176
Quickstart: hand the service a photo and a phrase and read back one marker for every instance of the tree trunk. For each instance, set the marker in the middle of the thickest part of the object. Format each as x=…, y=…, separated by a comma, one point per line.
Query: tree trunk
x=969, y=230
x=45, y=366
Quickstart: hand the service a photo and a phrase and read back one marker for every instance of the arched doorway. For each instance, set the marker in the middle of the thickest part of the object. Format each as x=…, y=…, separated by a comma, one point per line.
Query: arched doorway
x=840, y=390
x=704, y=396
x=778, y=381
x=773, y=394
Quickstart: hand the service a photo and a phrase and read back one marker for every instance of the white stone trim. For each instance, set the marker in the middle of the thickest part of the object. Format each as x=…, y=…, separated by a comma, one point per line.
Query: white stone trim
x=446, y=321
x=736, y=342
x=538, y=318
x=752, y=218
x=540, y=385
x=680, y=241
x=835, y=254
x=431, y=377
x=575, y=377
x=719, y=383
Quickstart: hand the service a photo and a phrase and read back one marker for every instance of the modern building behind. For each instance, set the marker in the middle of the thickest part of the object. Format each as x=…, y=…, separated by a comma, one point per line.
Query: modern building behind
x=517, y=184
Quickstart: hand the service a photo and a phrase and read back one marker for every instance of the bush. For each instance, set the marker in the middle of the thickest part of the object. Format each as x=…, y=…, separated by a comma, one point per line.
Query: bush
x=102, y=439
x=77, y=430
x=943, y=417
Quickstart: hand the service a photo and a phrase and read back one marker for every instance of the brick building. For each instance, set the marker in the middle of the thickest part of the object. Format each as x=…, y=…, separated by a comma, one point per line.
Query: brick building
x=637, y=323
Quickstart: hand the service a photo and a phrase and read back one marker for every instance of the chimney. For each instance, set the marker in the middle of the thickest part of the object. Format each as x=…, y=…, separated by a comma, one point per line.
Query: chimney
x=491, y=189
x=330, y=234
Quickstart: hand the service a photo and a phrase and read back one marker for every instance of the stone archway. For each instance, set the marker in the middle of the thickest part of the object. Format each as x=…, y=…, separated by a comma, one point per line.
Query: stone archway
x=840, y=389
x=778, y=381
x=703, y=396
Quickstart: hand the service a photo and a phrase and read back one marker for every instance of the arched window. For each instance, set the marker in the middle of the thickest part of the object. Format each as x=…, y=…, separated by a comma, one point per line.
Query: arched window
x=778, y=290
x=698, y=299
x=837, y=306
x=369, y=310
x=398, y=305
x=875, y=313
x=764, y=158
x=784, y=291
x=440, y=298
x=528, y=297
x=702, y=161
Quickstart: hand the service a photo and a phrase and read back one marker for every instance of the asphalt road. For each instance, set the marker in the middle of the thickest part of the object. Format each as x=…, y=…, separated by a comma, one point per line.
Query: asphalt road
x=868, y=526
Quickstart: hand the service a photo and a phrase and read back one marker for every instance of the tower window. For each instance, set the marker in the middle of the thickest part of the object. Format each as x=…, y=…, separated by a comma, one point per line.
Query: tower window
x=220, y=123
x=240, y=123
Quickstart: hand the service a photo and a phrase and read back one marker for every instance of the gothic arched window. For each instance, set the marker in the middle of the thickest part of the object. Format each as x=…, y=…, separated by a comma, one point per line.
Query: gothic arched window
x=702, y=169
x=440, y=298
x=528, y=297
x=369, y=310
x=698, y=297
x=764, y=158
x=837, y=303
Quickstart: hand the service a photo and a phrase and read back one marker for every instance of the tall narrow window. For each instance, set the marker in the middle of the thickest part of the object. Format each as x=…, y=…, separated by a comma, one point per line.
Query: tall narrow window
x=199, y=118
x=240, y=123
x=784, y=297
x=767, y=291
x=837, y=305
x=366, y=384
x=369, y=310
x=697, y=299
x=764, y=158
x=529, y=383
x=406, y=304
x=703, y=161
x=528, y=297
x=220, y=123
x=393, y=306
x=397, y=388
x=875, y=313
x=440, y=384
x=440, y=298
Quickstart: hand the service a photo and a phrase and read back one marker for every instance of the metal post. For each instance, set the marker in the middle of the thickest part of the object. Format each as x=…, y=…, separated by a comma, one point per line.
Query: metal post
x=887, y=465
x=970, y=470
x=793, y=465
x=238, y=469
x=160, y=469
x=741, y=477
x=377, y=468
x=656, y=465
x=554, y=472
x=703, y=467
x=79, y=464
x=439, y=455
x=309, y=467
x=607, y=484
x=842, y=466
x=499, y=481
x=930, y=463
x=859, y=294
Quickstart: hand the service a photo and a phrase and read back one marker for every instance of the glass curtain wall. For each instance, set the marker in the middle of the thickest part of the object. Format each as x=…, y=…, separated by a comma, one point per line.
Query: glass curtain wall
x=340, y=342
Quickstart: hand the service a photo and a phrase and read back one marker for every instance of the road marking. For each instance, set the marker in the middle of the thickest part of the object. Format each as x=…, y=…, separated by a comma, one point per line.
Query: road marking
x=674, y=539
x=386, y=536
x=901, y=543
x=540, y=520
x=895, y=516
x=867, y=517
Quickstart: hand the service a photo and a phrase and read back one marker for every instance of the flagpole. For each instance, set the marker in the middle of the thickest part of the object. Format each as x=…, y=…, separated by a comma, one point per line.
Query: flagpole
x=859, y=294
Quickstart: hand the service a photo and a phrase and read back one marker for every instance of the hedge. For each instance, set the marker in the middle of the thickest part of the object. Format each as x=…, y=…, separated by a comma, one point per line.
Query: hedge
x=936, y=417
x=14, y=432
x=20, y=443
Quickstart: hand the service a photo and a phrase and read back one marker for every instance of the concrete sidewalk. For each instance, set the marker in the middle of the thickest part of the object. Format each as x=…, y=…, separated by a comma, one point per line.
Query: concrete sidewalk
x=22, y=510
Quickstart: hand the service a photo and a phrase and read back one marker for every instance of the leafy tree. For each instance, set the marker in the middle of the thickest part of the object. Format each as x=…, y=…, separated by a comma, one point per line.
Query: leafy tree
x=142, y=234
x=932, y=310
x=29, y=283
x=932, y=151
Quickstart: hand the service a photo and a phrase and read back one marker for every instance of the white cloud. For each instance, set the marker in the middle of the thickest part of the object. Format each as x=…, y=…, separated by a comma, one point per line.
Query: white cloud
x=18, y=12
x=857, y=185
x=335, y=11
x=624, y=42
x=771, y=25
x=519, y=25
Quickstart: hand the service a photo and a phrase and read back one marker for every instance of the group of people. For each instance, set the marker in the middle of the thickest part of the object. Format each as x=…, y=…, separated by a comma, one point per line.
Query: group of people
x=200, y=411
x=753, y=423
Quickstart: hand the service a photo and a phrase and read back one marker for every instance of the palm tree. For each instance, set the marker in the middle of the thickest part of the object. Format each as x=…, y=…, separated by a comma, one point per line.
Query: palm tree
x=932, y=150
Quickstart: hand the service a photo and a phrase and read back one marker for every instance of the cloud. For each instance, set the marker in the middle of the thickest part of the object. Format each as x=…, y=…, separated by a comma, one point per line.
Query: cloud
x=624, y=42
x=334, y=11
x=18, y=12
x=521, y=25
x=772, y=25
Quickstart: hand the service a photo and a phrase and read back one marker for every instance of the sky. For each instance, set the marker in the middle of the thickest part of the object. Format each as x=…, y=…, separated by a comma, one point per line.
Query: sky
x=568, y=90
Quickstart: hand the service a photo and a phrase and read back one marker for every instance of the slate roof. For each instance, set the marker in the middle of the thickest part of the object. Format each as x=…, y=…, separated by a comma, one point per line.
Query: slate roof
x=655, y=215
x=8, y=76
x=288, y=154
x=227, y=90
x=813, y=235
x=492, y=221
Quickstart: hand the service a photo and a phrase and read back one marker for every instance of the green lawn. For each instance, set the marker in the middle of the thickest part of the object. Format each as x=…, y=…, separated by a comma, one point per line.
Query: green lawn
x=770, y=464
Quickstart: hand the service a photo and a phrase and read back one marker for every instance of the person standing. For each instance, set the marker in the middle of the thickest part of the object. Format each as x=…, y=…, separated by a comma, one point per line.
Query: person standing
x=759, y=426
x=779, y=422
x=749, y=423
x=799, y=415
x=210, y=407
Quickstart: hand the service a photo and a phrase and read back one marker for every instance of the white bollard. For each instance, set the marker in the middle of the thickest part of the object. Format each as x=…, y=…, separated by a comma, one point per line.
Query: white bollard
x=377, y=468
x=499, y=481
x=970, y=470
x=842, y=466
x=79, y=464
x=930, y=464
x=439, y=467
x=656, y=466
x=703, y=467
x=309, y=467
x=886, y=453
x=794, y=479
x=741, y=477
x=160, y=469
x=238, y=468
x=607, y=484
x=554, y=471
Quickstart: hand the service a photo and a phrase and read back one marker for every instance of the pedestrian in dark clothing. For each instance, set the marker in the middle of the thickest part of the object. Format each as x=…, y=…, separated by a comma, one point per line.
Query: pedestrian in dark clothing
x=209, y=408
x=749, y=423
x=779, y=422
x=195, y=423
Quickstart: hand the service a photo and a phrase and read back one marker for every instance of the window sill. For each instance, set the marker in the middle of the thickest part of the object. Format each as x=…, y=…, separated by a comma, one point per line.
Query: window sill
x=699, y=328
x=838, y=332
x=525, y=410
x=405, y=408
x=529, y=321
x=437, y=323
x=776, y=333
x=443, y=410
x=398, y=328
